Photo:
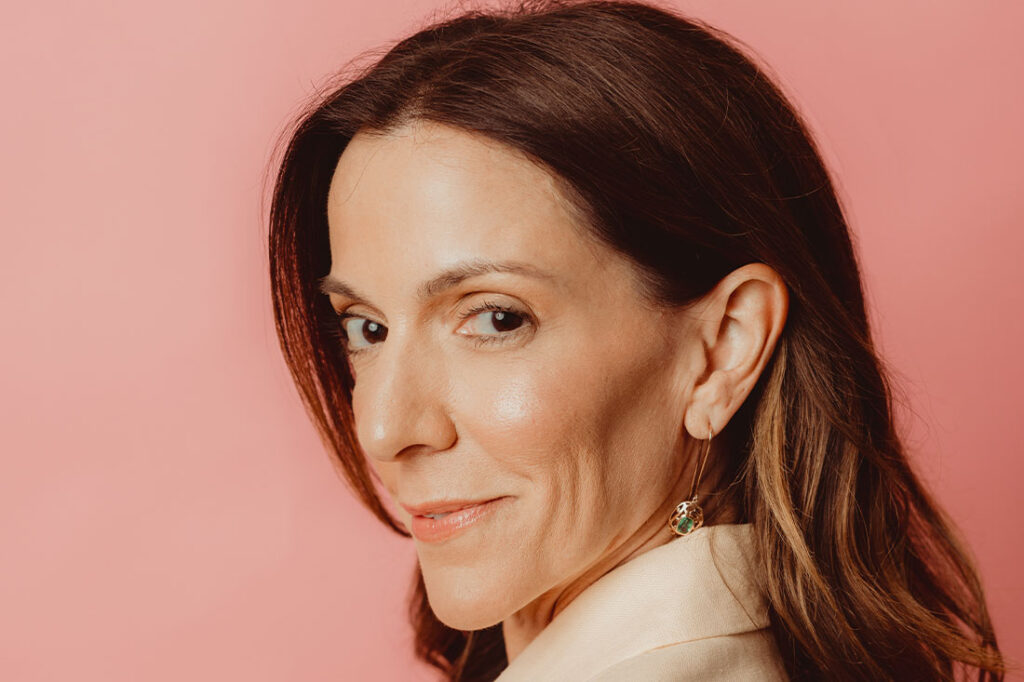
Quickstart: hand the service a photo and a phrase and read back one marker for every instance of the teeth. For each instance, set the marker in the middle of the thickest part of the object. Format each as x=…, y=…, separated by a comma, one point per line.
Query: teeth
x=437, y=516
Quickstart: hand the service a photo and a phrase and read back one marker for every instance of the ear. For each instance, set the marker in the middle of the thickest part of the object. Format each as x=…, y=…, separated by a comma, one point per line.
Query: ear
x=738, y=323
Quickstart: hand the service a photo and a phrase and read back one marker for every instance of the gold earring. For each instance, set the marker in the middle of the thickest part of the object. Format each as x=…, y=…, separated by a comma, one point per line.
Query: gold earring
x=688, y=516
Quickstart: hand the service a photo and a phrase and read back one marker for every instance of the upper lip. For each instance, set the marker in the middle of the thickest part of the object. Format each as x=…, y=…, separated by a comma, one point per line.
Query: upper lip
x=441, y=506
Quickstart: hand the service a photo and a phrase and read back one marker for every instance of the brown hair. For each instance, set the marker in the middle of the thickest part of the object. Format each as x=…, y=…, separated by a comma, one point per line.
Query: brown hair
x=679, y=152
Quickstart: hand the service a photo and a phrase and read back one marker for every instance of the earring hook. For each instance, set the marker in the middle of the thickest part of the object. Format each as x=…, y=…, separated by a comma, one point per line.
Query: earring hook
x=696, y=474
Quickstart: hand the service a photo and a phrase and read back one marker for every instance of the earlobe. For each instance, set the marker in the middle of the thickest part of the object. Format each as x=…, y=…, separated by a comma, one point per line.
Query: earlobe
x=708, y=403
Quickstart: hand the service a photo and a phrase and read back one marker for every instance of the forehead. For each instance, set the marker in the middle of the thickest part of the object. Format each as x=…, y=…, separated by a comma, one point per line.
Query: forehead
x=429, y=195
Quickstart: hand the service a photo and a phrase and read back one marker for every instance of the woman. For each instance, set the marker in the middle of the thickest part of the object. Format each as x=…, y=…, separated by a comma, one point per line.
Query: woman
x=570, y=282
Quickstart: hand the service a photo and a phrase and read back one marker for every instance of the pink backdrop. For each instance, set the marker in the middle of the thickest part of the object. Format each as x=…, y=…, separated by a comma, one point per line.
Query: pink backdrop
x=166, y=511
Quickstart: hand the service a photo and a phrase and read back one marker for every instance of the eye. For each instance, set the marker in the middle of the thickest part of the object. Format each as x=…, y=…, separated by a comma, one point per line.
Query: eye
x=504, y=321
x=355, y=329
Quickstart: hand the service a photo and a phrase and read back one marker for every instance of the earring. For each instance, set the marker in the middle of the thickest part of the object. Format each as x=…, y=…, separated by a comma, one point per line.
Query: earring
x=688, y=516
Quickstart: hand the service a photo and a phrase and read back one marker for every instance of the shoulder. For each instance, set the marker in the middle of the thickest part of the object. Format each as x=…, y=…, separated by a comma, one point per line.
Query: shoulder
x=691, y=609
x=740, y=657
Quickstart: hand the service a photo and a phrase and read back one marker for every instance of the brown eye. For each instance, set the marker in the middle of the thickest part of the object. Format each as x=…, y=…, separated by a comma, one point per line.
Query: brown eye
x=491, y=323
x=505, y=320
x=360, y=332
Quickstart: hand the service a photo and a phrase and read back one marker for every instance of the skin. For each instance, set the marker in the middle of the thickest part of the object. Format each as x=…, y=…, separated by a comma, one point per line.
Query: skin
x=587, y=409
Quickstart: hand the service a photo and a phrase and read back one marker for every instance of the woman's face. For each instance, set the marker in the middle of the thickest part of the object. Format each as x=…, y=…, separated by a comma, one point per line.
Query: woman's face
x=541, y=378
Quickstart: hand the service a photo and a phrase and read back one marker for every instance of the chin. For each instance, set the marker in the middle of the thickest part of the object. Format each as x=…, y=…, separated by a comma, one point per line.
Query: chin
x=461, y=605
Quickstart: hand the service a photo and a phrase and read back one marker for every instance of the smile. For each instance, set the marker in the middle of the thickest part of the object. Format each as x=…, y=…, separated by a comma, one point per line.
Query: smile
x=440, y=526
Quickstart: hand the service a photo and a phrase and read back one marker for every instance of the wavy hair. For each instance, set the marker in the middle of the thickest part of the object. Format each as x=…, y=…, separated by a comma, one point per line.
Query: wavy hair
x=678, y=150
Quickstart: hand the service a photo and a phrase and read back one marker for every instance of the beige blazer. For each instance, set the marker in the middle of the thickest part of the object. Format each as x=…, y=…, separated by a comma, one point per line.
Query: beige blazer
x=687, y=610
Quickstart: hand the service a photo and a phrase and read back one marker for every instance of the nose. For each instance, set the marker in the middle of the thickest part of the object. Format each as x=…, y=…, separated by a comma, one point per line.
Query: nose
x=399, y=401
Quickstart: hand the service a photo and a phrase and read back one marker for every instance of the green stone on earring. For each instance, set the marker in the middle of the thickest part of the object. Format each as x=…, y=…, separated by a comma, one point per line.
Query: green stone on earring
x=687, y=517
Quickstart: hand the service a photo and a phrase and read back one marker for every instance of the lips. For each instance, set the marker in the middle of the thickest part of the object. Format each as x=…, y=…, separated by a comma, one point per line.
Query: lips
x=451, y=518
x=443, y=506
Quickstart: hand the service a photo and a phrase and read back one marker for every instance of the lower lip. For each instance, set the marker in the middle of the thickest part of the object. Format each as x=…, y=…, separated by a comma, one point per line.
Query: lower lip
x=435, y=530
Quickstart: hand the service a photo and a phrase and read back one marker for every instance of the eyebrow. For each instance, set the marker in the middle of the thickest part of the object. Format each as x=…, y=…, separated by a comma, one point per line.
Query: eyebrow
x=443, y=281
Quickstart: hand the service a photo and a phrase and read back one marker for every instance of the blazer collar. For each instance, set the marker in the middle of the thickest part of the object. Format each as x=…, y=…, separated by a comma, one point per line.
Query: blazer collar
x=694, y=586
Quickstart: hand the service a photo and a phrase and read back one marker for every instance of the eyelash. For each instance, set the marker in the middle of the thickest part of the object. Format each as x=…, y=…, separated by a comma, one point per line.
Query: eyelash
x=338, y=330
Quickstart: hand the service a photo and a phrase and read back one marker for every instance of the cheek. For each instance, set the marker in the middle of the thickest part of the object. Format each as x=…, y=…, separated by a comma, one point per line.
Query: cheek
x=524, y=414
x=503, y=409
x=387, y=472
x=513, y=404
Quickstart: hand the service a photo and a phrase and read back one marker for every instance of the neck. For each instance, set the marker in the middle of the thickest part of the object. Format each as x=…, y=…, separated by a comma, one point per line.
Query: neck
x=522, y=627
